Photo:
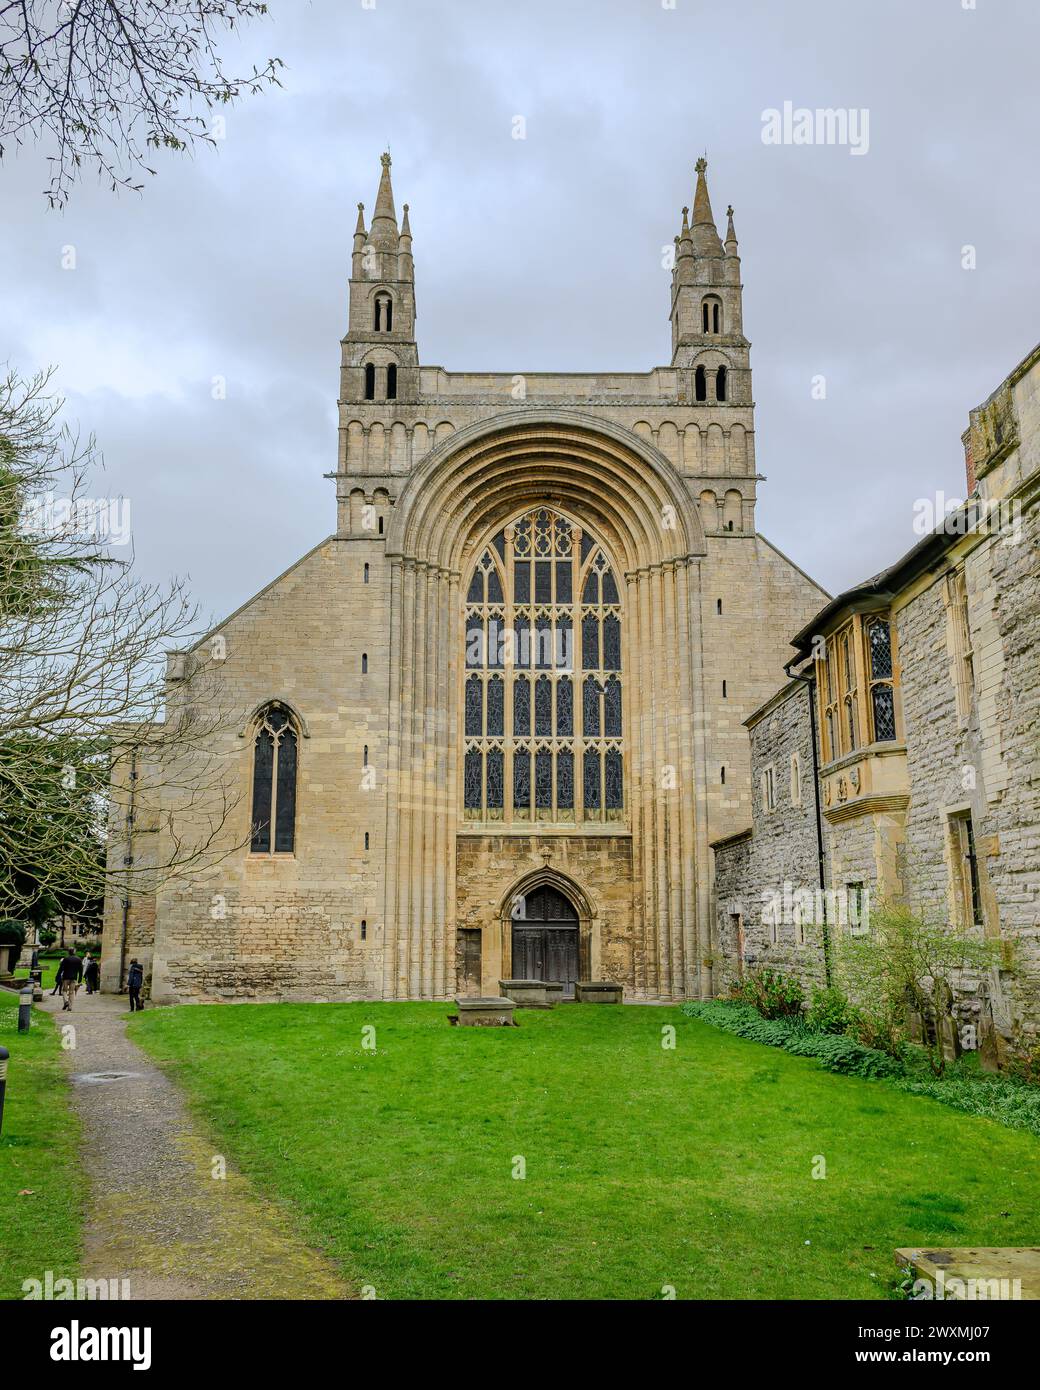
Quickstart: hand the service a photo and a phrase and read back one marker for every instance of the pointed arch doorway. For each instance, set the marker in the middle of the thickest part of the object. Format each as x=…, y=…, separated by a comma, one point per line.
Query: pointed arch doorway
x=546, y=939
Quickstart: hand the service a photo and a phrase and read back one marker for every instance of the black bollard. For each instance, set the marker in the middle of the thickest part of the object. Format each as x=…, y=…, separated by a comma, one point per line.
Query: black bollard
x=4, y=1054
x=25, y=998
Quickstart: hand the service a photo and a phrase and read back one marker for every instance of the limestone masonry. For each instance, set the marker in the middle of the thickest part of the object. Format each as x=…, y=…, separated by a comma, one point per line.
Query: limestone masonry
x=491, y=728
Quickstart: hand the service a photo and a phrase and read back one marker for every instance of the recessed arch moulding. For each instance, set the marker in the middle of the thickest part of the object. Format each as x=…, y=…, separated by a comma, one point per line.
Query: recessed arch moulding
x=628, y=495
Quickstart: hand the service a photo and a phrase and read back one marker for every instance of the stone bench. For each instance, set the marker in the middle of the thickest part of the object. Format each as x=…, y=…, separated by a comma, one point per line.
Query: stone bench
x=598, y=992
x=484, y=1012
x=529, y=994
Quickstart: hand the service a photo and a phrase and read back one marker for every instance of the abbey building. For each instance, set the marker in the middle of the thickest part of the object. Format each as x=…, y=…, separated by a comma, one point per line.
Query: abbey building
x=492, y=724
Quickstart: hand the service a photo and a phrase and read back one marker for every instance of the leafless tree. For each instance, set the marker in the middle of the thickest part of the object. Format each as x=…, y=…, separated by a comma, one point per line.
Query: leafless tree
x=108, y=80
x=88, y=747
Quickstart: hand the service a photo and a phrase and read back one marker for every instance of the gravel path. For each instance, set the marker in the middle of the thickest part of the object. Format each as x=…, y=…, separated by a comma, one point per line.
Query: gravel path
x=157, y=1215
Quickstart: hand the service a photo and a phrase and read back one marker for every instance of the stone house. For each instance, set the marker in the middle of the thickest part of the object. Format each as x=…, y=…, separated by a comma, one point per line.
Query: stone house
x=926, y=689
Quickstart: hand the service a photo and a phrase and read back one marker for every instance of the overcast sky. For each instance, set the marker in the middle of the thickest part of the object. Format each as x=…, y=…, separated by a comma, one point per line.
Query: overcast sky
x=545, y=253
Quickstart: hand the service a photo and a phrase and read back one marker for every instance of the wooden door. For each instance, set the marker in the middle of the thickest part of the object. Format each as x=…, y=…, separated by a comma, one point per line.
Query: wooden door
x=545, y=940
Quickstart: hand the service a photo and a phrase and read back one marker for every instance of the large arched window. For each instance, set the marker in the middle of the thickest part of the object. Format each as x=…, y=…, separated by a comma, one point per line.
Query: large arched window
x=274, y=782
x=542, y=699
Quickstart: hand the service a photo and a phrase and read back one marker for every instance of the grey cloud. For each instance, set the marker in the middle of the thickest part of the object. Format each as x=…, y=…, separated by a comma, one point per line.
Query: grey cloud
x=545, y=253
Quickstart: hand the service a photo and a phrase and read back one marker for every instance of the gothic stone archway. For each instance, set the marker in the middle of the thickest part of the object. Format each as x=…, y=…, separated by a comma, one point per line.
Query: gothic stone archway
x=636, y=506
x=545, y=938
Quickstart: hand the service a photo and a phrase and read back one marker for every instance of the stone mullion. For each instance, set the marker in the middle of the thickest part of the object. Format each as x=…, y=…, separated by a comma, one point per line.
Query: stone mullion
x=664, y=925
x=403, y=829
x=650, y=808
x=675, y=799
x=689, y=852
x=419, y=745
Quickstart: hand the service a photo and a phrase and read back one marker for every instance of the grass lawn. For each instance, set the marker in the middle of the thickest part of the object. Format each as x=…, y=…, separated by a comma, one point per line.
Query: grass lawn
x=39, y=1152
x=48, y=968
x=644, y=1167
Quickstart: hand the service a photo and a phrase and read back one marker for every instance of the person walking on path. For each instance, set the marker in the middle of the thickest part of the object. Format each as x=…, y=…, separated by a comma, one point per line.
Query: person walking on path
x=134, y=981
x=92, y=975
x=70, y=972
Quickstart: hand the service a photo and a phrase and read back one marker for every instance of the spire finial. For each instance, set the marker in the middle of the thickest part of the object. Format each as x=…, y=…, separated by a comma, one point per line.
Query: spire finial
x=701, y=167
x=384, y=218
x=731, y=236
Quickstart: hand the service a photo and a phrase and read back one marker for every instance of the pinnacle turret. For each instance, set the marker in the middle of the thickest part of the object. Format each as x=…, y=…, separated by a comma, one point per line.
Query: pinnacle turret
x=704, y=232
x=383, y=233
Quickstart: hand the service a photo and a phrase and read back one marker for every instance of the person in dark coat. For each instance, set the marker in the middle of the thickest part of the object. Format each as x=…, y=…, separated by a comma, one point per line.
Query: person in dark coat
x=68, y=976
x=92, y=975
x=134, y=981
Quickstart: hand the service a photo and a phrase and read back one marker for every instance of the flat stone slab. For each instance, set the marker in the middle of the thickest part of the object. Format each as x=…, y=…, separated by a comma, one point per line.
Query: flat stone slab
x=531, y=994
x=484, y=1011
x=598, y=992
x=976, y=1272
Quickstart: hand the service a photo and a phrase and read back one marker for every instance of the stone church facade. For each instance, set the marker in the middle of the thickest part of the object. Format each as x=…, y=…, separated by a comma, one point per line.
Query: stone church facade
x=493, y=723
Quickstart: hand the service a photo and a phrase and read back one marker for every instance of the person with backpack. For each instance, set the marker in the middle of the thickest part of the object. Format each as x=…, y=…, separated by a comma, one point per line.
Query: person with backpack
x=92, y=975
x=134, y=981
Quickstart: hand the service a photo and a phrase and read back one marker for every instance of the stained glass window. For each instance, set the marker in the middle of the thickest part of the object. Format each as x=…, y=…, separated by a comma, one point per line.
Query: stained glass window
x=274, y=783
x=521, y=707
x=496, y=707
x=474, y=706
x=543, y=598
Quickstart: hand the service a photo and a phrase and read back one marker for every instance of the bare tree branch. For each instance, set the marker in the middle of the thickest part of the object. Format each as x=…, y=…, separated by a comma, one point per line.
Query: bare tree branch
x=106, y=80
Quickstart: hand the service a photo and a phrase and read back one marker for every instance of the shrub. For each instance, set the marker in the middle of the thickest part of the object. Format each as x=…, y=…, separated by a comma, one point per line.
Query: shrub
x=830, y=1012
x=838, y=1054
x=89, y=943
x=999, y=1098
x=903, y=965
x=47, y=936
x=12, y=933
x=773, y=995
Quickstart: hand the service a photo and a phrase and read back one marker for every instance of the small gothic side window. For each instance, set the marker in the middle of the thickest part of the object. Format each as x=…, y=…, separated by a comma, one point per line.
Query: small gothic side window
x=274, y=783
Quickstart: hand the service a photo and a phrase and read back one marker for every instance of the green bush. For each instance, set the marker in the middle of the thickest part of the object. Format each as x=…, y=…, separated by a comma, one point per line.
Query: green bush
x=91, y=944
x=47, y=936
x=830, y=1012
x=838, y=1054
x=773, y=995
x=995, y=1097
x=12, y=933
